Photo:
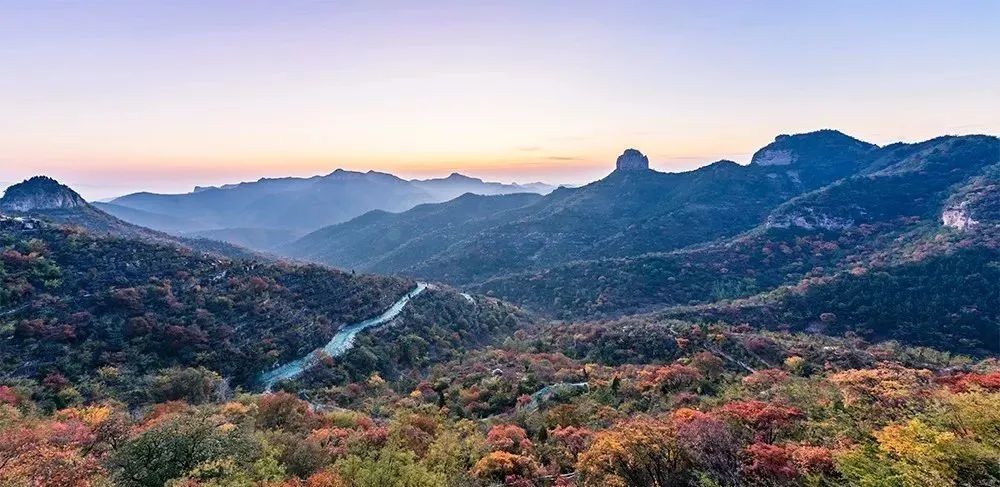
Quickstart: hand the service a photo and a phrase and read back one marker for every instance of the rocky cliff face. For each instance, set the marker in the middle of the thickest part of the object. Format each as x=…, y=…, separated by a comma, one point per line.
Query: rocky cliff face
x=40, y=193
x=632, y=160
x=958, y=217
x=975, y=205
x=827, y=153
x=775, y=157
x=808, y=219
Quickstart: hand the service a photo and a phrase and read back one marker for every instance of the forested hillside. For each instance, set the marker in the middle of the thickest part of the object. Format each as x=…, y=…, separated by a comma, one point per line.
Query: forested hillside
x=636, y=402
x=45, y=198
x=845, y=335
x=78, y=306
x=949, y=302
x=935, y=198
x=380, y=241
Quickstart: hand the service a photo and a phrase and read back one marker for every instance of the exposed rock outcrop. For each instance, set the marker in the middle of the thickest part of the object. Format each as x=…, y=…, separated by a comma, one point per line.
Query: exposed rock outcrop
x=632, y=160
x=808, y=219
x=823, y=148
x=775, y=157
x=40, y=193
x=958, y=217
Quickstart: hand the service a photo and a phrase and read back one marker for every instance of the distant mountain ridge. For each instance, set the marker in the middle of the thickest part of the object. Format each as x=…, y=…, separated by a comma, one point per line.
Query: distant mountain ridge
x=242, y=212
x=46, y=199
x=379, y=241
x=634, y=210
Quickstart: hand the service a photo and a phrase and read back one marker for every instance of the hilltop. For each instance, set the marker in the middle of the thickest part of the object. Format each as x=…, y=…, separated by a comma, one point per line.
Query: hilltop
x=47, y=199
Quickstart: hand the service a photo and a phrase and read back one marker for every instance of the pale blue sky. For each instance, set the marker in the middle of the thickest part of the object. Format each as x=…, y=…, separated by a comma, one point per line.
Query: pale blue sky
x=118, y=96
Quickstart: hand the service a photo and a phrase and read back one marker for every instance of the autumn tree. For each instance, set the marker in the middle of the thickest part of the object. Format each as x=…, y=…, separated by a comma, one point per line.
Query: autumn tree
x=387, y=467
x=710, y=444
x=282, y=410
x=503, y=466
x=569, y=443
x=173, y=447
x=636, y=453
x=764, y=420
x=509, y=438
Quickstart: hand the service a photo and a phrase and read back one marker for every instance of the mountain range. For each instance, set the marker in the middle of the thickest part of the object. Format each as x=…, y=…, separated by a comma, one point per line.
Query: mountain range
x=931, y=189
x=820, y=179
x=811, y=211
x=268, y=212
x=634, y=210
x=828, y=314
x=812, y=221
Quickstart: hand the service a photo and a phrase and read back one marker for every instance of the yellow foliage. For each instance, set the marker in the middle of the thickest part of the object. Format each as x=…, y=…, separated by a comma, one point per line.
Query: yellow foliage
x=795, y=364
x=913, y=439
x=89, y=415
x=638, y=449
x=887, y=385
x=922, y=455
x=234, y=408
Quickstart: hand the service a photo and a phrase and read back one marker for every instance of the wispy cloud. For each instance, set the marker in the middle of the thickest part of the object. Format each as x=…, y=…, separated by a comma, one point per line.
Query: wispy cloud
x=571, y=138
x=564, y=158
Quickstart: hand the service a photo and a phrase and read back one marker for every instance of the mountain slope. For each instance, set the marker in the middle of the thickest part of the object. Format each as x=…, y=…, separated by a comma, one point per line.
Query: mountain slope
x=633, y=211
x=264, y=239
x=947, y=301
x=296, y=204
x=919, y=199
x=914, y=183
x=378, y=240
x=77, y=304
x=164, y=223
x=47, y=199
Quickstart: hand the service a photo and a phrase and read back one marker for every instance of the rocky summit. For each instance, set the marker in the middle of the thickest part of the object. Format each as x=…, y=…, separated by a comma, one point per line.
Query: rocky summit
x=632, y=160
x=40, y=193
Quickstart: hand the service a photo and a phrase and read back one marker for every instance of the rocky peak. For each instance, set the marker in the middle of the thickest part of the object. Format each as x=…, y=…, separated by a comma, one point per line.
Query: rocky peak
x=632, y=160
x=40, y=193
x=815, y=147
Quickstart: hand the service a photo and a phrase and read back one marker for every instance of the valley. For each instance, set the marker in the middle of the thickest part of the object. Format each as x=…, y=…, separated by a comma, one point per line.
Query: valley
x=340, y=342
x=499, y=244
x=795, y=318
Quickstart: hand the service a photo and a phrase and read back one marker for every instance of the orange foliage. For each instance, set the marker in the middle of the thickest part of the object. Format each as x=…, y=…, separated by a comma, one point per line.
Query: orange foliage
x=325, y=478
x=668, y=378
x=637, y=452
x=499, y=465
x=764, y=419
x=52, y=453
x=888, y=385
x=509, y=438
x=284, y=411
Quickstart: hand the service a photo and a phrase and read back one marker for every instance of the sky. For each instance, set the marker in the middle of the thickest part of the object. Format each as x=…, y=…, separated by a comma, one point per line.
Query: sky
x=113, y=97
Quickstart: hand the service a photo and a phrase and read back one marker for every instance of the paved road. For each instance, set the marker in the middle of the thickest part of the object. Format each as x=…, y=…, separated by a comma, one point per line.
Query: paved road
x=340, y=343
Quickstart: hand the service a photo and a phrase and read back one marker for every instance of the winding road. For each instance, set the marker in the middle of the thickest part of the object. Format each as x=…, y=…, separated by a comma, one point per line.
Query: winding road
x=340, y=343
x=546, y=393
